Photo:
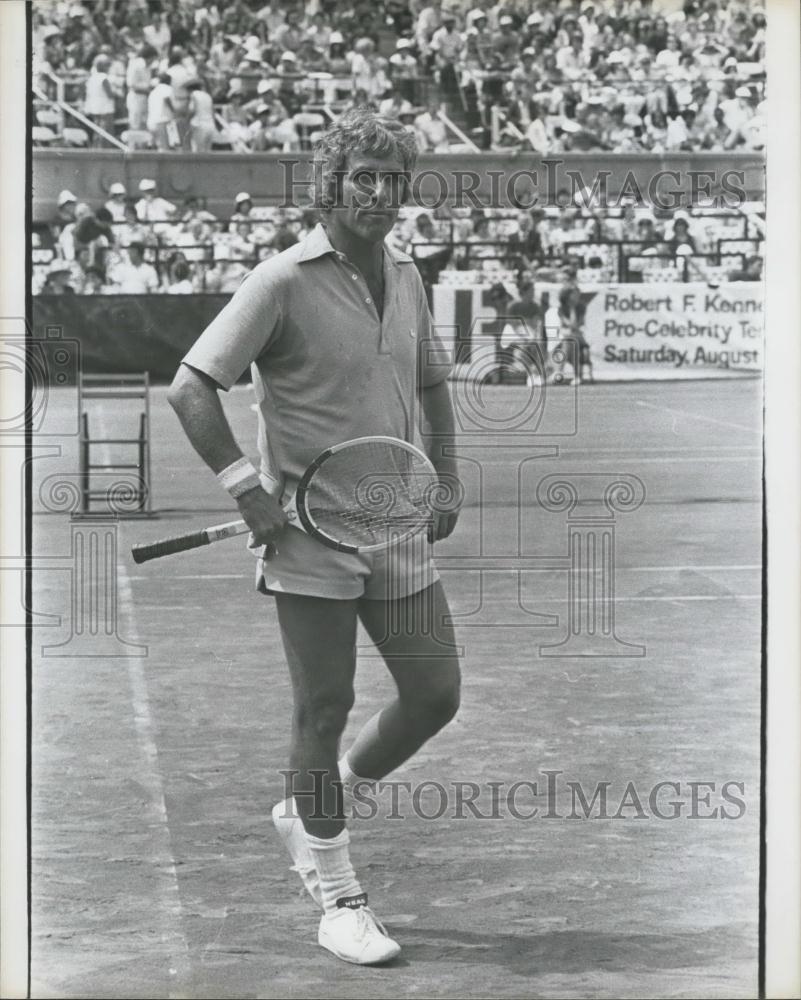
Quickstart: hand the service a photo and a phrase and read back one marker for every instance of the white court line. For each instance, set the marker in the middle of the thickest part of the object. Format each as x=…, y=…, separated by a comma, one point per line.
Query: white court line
x=169, y=900
x=699, y=416
x=664, y=597
x=663, y=460
x=527, y=569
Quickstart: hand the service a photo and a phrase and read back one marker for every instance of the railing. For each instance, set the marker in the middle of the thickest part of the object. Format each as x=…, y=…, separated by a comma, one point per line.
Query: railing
x=65, y=108
x=446, y=121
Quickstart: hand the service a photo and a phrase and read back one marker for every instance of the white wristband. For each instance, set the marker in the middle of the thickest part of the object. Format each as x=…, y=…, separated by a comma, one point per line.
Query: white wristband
x=239, y=477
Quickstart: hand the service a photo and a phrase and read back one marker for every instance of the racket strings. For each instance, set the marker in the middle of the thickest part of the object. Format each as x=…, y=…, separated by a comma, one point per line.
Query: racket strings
x=369, y=492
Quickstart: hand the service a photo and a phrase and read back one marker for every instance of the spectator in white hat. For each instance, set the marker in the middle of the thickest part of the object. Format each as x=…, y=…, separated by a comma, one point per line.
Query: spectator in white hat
x=57, y=282
x=243, y=206
x=737, y=112
x=506, y=42
x=152, y=208
x=368, y=70
x=116, y=202
x=65, y=205
x=447, y=44
x=289, y=76
x=403, y=69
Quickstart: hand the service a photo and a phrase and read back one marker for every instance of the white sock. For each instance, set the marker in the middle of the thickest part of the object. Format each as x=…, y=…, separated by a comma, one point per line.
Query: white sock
x=338, y=880
x=350, y=781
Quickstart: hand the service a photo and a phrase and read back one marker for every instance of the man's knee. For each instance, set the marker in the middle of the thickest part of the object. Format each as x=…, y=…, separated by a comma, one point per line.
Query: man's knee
x=324, y=716
x=436, y=703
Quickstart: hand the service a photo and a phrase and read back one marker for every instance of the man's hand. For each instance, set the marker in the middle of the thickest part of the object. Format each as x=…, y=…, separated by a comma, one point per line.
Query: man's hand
x=447, y=501
x=263, y=514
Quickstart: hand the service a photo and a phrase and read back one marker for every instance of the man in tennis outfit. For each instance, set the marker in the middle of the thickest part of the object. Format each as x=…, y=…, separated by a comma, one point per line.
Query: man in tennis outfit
x=340, y=342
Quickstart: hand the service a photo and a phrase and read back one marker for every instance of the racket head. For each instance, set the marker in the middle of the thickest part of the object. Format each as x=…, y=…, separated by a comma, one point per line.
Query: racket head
x=367, y=494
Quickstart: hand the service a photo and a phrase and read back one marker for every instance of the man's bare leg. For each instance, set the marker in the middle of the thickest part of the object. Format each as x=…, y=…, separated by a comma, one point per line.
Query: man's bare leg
x=418, y=647
x=319, y=637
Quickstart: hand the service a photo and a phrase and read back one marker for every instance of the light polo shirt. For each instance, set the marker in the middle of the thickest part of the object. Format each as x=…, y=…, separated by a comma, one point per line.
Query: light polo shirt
x=325, y=366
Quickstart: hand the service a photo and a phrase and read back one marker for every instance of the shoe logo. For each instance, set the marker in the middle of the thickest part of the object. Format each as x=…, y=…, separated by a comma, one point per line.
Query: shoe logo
x=352, y=902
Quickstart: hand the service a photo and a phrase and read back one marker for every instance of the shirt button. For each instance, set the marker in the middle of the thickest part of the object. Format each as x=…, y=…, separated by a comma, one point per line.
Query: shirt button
x=368, y=301
x=355, y=277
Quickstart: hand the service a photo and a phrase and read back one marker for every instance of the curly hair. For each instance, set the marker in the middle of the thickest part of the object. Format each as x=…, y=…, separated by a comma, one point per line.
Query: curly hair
x=359, y=130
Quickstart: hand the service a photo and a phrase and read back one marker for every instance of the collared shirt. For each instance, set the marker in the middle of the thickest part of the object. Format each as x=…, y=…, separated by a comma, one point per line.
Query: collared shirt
x=326, y=367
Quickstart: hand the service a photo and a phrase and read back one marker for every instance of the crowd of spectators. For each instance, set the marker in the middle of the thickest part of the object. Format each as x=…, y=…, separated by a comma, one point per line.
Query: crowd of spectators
x=146, y=244
x=548, y=75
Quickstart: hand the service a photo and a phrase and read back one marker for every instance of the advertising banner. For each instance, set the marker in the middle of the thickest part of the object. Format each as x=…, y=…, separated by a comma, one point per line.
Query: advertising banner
x=634, y=331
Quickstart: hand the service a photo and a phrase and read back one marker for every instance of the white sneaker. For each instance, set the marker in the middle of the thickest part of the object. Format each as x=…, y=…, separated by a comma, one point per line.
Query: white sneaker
x=290, y=829
x=354, y=934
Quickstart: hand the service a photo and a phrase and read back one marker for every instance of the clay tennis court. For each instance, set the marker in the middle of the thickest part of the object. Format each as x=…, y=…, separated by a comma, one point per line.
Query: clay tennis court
x=156, y=871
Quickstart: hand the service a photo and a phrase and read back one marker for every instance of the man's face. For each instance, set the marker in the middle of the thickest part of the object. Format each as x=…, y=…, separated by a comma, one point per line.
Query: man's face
x=135, y=255
x=372, y=189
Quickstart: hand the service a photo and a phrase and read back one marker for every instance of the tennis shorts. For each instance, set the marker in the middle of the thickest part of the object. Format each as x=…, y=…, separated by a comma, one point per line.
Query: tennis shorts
x=303, y=565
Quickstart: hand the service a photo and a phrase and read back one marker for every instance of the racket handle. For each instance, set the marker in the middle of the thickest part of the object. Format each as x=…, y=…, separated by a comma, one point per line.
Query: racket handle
x=167, y=546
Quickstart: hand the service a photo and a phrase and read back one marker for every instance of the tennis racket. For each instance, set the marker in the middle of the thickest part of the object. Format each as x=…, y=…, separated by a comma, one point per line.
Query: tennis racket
x=358, y=496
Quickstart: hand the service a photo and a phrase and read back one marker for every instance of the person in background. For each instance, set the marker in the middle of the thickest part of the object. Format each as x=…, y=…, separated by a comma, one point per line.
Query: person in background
x=395, y=106
x=430, y=130
x=116, y=202
x=403, y=69
x=272, y=16
x=181, y=283
x=574, y=345
x=368, y=70
x=132, y=275
x=65, y=208
x=429, y=20
x=230, y=272
x=138, y=81
x=94, y=283
x=319, y=31
x=58, y=280
x=99, y=104
x=201, y=117
x=132, y=230
x=446, y=45
x=161, y=113
x=78, y=269
x=157, y=34
x=527, y=345
x=289, y=36
x=751, y=271
x=152, y=208
x=66, y=238
x=681, y=239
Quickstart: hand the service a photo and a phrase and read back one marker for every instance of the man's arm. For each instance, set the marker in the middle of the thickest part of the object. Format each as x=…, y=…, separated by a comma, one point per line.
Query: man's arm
x=194, y=397
x=440, y=443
